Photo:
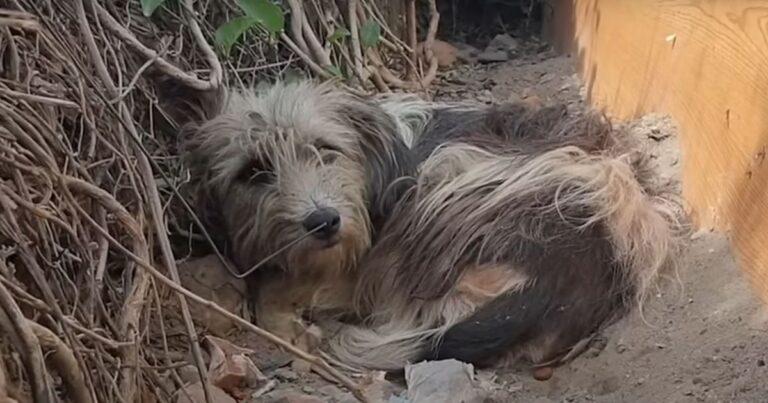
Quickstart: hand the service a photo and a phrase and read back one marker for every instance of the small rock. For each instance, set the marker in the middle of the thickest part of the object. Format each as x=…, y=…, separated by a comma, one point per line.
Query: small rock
x=448, y=381
x=503, y=42
x=189, y=374
x=528, y=92
x=543, y=373
x=445, y=53
x=546, y=78
x=466, y=53
x=194, y=393
x=514, y=98
x=329, y=390
x=493, y=56
x=308, y=389
x=377, y=388
x=285, y=374
x=456, y=80
x=761, y=362
x=621, y=348
x=288, y=396
x=485, y=96
x=534, y=101
x=398, y=399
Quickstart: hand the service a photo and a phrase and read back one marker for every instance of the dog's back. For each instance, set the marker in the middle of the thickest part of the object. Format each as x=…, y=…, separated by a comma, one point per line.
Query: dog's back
x=526, y=231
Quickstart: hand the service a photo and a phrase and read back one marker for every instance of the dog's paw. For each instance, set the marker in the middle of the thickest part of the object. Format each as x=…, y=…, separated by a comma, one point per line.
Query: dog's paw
x=308, y=338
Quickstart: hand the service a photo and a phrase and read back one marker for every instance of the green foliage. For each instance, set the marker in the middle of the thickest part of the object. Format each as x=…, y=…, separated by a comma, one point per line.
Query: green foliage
x=229, y=33
x=335, y=71
x=370, y=34
x=339, y=34
x=266, y=13
x=148, y=7
x=262, y=13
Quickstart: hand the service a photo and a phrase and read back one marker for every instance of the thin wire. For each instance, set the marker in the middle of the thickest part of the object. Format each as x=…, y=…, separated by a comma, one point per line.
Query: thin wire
x=279, y=251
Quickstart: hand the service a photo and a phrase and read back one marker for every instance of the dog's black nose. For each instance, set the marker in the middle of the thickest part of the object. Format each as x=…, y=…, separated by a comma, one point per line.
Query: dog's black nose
x=326, y=215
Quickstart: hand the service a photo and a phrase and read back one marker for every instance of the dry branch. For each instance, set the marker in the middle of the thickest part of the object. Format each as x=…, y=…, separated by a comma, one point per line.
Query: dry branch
x=111, y=204
x=64, y=361
x=82, y=219
x=15, y=325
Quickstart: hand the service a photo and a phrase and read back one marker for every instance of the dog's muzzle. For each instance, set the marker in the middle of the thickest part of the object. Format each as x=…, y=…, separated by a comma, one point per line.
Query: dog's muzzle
x=327, y=217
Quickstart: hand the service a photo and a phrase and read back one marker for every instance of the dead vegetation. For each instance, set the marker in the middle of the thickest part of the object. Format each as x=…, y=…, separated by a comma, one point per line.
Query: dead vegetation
x=90, y=206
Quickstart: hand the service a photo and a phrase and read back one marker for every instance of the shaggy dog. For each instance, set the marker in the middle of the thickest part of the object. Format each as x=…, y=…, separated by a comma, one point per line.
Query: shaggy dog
x=446, y=231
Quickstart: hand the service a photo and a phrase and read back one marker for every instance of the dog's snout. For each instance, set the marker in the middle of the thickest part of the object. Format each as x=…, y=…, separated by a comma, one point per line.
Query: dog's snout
x=328, y=218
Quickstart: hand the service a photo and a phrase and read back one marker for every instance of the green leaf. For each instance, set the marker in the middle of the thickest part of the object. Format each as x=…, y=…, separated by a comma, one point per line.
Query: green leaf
x=370, y=34
x=267, y=13
x=335, y=71
x=227, y=34
x=148, y=7
x=338, y=34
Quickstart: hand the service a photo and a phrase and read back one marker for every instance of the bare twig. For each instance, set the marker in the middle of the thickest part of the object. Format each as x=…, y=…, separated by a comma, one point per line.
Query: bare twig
x=217, y=74
x=434, y=20
x=161, y=63
x=357, y=52
x=13, y=59
x=80, y=152
x=410, y=22
x=13, y=322
x=314, y=44
x=305, y=58
x=297, y=15
x=135, y=301
x=38, y=98
x=112, y=205
x=64, y=361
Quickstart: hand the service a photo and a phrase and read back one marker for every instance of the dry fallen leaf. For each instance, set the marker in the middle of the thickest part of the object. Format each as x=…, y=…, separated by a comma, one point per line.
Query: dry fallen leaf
x=193, y=393
x=231, y=369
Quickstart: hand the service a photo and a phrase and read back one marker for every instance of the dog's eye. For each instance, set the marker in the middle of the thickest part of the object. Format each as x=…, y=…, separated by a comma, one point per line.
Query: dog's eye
x=256, y=173
x=328, y=153
x=261, y=177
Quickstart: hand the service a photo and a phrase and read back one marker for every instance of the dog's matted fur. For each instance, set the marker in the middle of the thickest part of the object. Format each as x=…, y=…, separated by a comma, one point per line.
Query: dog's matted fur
x=451, y=231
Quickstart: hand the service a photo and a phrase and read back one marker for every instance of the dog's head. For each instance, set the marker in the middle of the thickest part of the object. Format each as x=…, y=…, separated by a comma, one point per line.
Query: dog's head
x=299, y=164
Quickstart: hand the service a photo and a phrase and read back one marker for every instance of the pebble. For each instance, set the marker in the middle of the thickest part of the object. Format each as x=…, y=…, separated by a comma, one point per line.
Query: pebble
x=493, y=56
x=543, y=373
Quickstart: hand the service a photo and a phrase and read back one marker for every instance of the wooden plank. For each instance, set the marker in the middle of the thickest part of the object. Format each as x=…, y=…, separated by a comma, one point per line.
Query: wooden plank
x=706, y=64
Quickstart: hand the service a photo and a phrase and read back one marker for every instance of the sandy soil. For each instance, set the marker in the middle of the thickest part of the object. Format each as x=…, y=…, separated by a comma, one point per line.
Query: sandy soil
x=703, y=334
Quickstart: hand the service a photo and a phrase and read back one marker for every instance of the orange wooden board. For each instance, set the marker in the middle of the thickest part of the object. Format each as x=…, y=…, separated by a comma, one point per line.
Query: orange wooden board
x=705, y=63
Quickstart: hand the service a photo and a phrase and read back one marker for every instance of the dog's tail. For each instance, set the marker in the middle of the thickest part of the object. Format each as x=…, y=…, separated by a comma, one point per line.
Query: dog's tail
x=476, y=207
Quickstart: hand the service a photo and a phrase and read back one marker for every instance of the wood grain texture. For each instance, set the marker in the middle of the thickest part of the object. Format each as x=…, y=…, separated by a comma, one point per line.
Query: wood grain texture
x=704, y=62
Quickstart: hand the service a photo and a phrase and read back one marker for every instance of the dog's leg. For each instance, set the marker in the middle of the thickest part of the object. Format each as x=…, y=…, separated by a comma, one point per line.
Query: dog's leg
x=277, y=310
x=284, y=300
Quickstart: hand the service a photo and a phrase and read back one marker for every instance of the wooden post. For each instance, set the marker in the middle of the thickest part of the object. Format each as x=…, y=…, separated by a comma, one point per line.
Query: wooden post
x=703, y=63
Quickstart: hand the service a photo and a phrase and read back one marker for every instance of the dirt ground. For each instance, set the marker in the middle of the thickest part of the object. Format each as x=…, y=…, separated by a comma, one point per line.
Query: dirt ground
x=703, y=334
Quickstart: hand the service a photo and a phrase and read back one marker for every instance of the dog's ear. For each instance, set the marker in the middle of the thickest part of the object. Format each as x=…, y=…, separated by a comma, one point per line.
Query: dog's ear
x=184, y=105
x=389, y=164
